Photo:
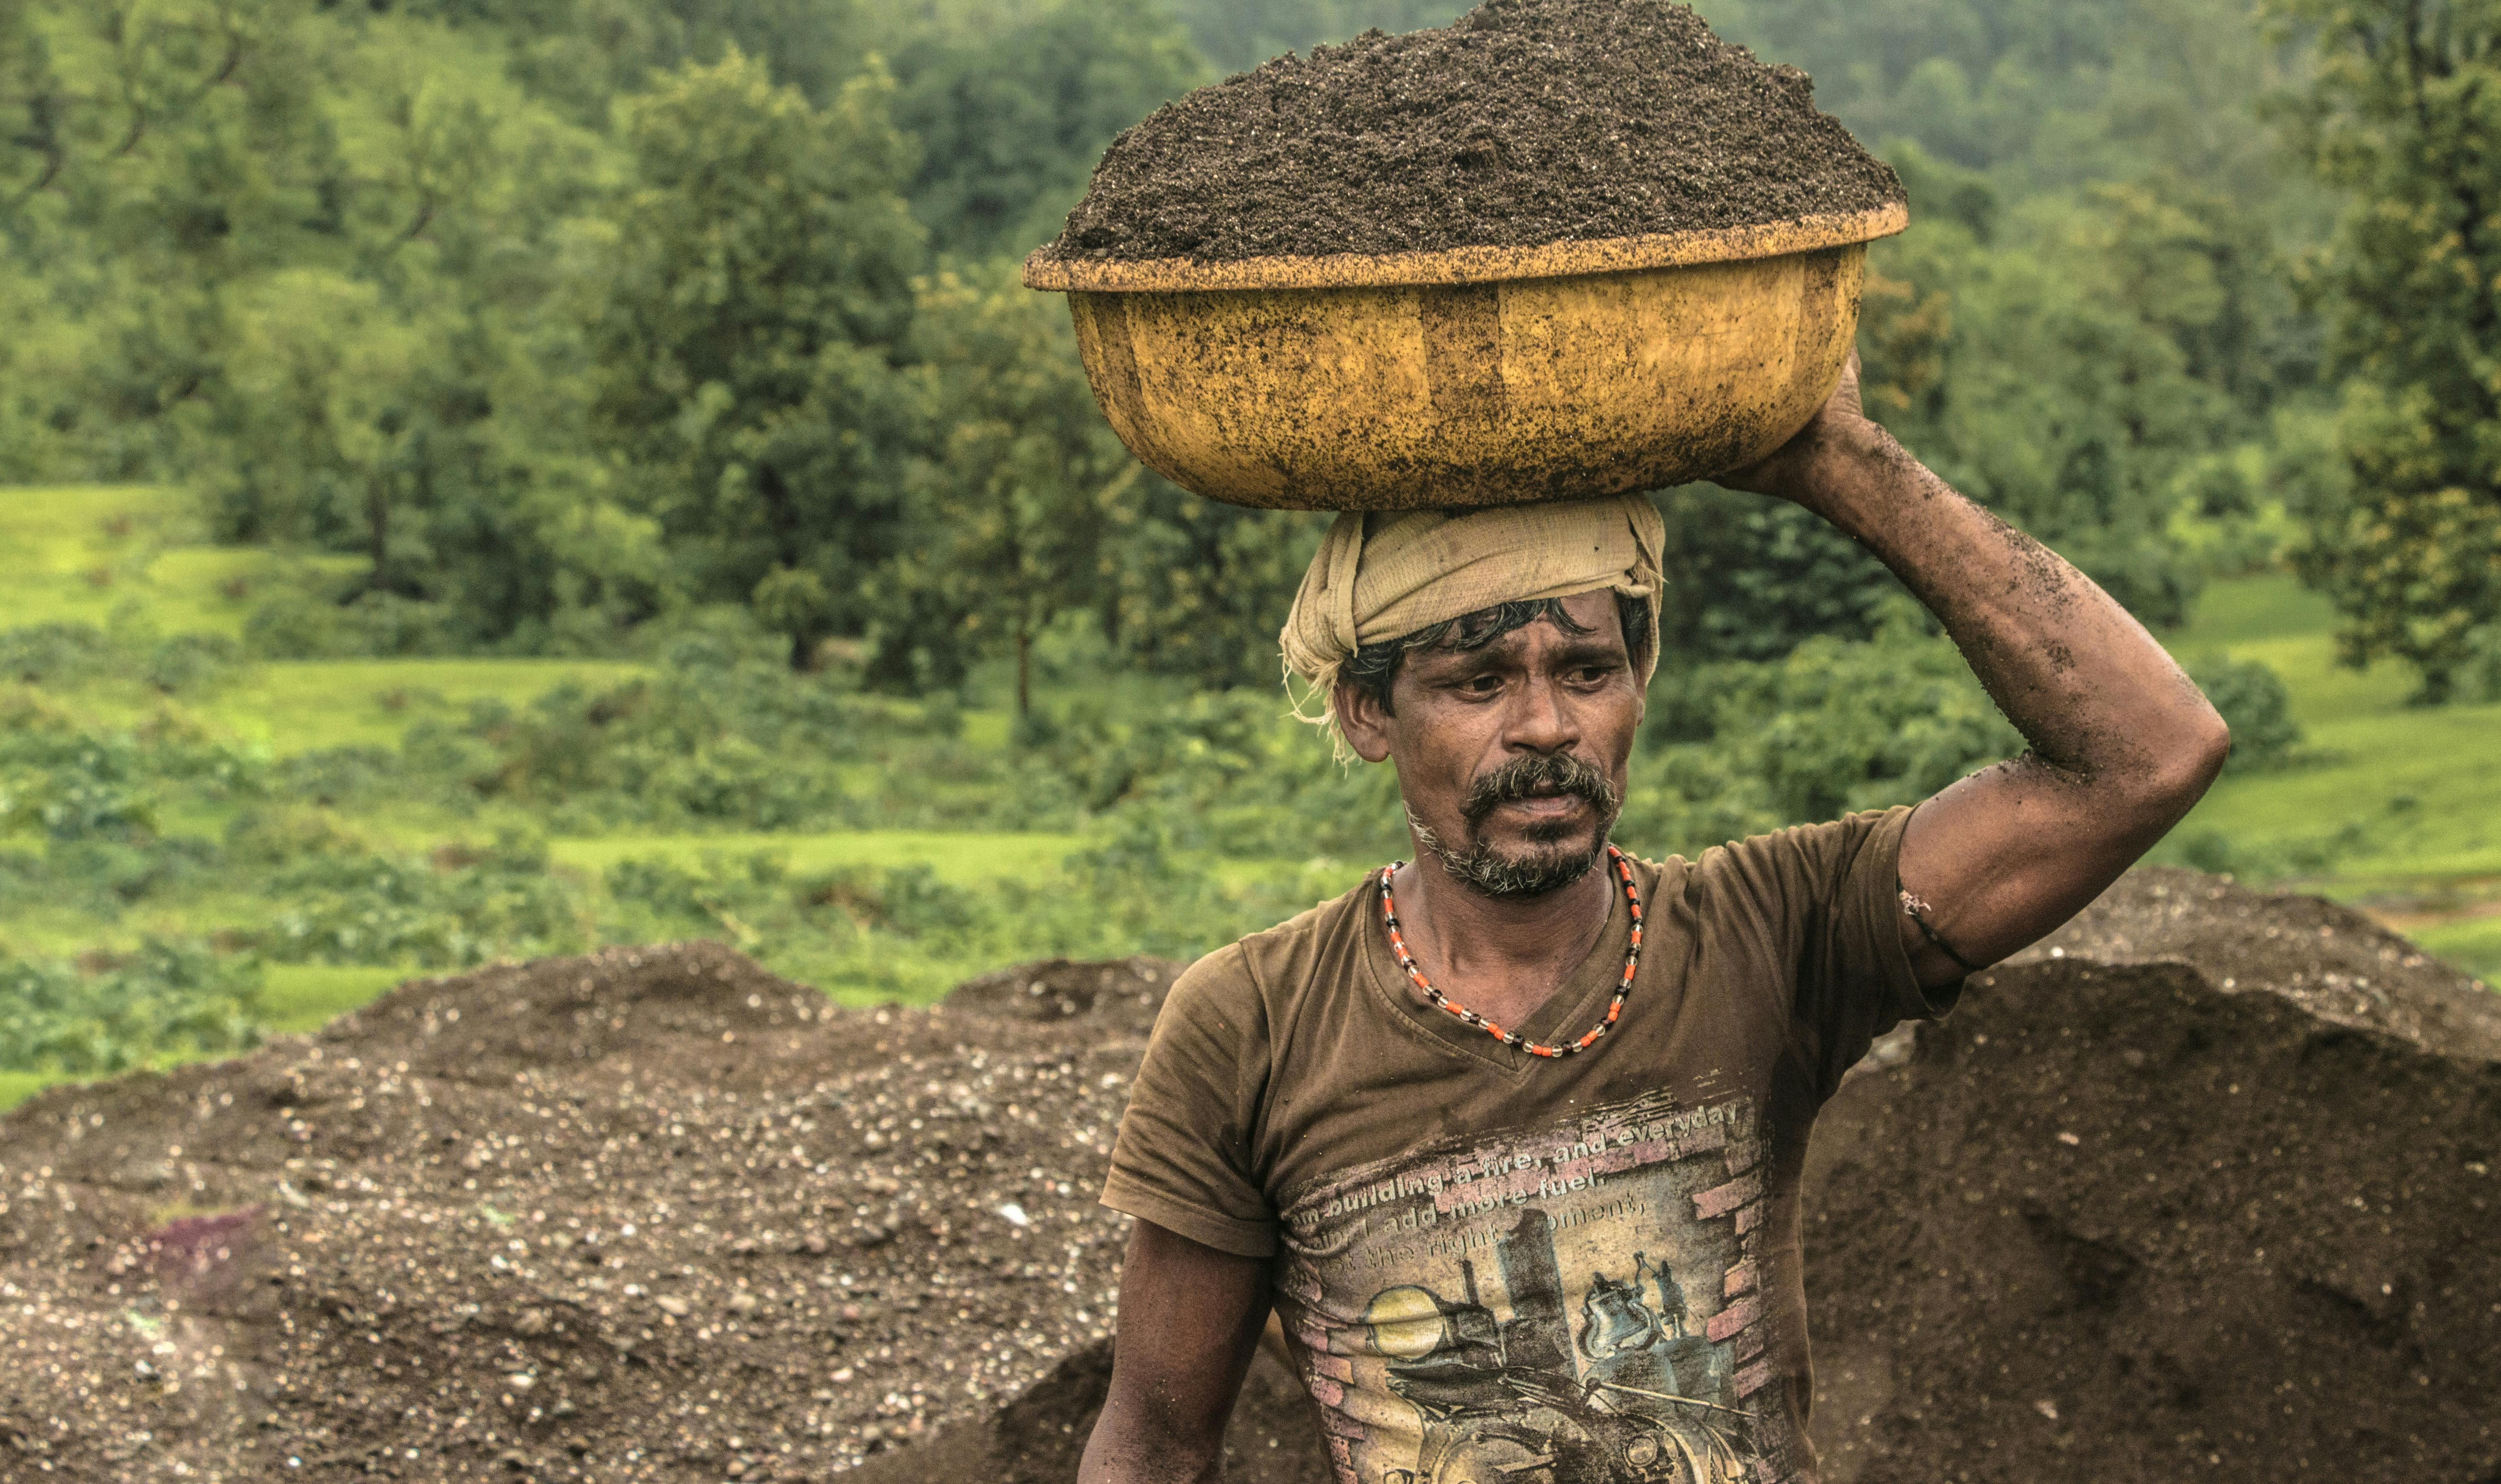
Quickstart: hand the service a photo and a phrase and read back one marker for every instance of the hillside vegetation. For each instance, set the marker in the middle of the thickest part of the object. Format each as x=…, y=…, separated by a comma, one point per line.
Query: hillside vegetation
x=266, y=842
x=497, y=480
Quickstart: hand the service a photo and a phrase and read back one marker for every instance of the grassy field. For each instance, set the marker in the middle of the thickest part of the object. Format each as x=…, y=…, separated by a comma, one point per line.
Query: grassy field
x=297, y=705
x=306, y=997
x=2404, y=803
x=2391, y=807
x=958, y=858
x=123, y=558
x=83, y=553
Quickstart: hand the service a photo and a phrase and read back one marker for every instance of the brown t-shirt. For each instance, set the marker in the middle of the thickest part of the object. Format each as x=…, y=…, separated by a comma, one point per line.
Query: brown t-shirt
x=1498, y=1267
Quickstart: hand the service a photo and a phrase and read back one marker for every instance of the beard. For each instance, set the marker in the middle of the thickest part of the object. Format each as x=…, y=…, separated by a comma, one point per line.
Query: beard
x=1556, y=855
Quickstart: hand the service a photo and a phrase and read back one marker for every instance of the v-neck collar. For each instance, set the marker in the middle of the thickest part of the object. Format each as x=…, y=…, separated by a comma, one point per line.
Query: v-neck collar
x=1566, y=1014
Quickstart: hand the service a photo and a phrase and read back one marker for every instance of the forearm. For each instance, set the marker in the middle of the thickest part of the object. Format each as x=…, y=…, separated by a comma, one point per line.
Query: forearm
x=1131, y=1445
x=2121, y=742
x=2102, y=704
x=1190, y=1317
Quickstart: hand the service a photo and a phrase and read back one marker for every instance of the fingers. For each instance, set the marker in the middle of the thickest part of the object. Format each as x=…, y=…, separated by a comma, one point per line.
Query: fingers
x=1845, y=397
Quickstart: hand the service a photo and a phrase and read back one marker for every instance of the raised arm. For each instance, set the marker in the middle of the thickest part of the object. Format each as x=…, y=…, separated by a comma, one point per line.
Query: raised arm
x=2122, y=745
x=1190, y=1317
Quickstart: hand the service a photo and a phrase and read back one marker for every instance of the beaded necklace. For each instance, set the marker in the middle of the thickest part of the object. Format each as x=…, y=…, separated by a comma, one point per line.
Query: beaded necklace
x=1614, y=1009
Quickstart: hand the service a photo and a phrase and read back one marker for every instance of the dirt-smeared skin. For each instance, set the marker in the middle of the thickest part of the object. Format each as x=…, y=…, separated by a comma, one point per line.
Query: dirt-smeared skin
x=1527, y=123
x=2121, y=742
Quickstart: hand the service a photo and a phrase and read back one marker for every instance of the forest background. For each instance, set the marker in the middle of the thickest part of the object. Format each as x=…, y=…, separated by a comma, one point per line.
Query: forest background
x=485, y=481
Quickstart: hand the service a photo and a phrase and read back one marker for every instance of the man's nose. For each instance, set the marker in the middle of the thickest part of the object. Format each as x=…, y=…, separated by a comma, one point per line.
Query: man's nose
x=1540, y=720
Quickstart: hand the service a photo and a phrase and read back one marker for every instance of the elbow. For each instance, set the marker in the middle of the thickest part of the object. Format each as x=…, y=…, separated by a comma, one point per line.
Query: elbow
x=2189, y=762
x=2212, y=748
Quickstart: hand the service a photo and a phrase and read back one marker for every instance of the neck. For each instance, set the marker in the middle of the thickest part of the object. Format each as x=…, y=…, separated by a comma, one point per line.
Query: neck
x=1510, y=953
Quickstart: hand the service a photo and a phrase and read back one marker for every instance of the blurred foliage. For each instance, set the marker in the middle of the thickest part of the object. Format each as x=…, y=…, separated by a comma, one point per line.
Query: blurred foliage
x=572, y=315
x=1017, y=513
x=2401, y=116
x=2256, y=706
x=719, y=736
x=2089, y=326
x=1238, y=35
x=166, y=1000
x=757, y=284
x=1012, y=114
x=1737, y=747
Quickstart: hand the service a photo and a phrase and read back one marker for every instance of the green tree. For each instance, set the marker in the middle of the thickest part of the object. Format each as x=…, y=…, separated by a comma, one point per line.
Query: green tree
x=2048, y=360
x=1012, y=118
x=583, y=53
x=1204, y=587
x=749, y=303
x=2402, y=115
x=1017, y=508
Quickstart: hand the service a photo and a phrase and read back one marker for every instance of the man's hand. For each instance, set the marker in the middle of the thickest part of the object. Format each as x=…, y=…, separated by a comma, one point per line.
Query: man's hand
x=1839, y=428
x=1190, y=1317
x=2123, y=743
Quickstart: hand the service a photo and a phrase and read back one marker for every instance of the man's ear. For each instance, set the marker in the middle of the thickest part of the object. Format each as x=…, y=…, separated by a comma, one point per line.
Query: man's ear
x=1360, y=717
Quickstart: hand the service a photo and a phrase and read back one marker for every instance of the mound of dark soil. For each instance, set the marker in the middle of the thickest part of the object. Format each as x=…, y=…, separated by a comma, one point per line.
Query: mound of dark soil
x=2333, y=961
x=2202, y=1188
x=1527, y=123
x=647, y=1215
x=661, y=1216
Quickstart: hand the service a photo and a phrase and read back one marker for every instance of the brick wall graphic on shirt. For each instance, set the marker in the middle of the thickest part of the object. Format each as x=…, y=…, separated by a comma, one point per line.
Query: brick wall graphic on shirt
x=1577, y=1305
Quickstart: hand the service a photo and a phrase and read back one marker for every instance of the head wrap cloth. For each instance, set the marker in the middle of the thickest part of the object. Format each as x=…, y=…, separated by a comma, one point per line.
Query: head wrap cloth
x=1385, y=575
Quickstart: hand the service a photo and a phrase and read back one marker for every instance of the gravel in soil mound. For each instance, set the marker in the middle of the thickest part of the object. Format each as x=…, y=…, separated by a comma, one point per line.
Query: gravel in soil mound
x=647, y=1215
x=658, y=1215
x=1525, y=122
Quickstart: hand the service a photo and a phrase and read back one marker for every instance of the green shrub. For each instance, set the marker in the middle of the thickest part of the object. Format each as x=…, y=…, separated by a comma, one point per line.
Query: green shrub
x=105, y=878
x=2256, y=704
x=57, y=654
x=72, y=787
x=301, y=625
x=168, y=1000
x=675, y=900
x=189, y=663
x=2479, y=678
x=1832, y=728
x=335, y=776
x=454, y=911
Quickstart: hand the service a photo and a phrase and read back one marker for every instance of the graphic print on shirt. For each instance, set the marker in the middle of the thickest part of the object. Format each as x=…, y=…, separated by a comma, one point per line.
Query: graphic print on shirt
x=1577, y=1305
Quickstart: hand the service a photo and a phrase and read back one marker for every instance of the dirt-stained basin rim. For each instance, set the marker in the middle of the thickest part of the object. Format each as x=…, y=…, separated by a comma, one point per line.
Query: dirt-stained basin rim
x=1467, y=264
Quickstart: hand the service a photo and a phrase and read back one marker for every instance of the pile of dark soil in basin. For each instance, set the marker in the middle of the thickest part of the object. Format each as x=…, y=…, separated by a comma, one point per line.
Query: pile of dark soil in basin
x=1525, y=122
x=2162, y=1201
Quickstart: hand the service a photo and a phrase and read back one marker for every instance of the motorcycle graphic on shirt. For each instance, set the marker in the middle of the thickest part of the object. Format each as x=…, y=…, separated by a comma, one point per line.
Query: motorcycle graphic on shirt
x=1573, y=1308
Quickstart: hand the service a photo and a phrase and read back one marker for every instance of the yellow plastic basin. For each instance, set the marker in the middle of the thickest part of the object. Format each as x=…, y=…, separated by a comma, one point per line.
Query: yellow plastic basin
x=1475, y=377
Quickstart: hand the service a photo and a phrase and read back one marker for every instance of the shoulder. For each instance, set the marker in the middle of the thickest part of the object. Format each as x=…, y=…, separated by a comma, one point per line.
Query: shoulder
x=1805, y=851
x=1283, y=960
x=1256, y=978
x=1783, y=875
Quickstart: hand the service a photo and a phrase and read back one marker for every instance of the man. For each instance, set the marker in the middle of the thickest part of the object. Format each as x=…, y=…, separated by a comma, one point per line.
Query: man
x=1510, y=1138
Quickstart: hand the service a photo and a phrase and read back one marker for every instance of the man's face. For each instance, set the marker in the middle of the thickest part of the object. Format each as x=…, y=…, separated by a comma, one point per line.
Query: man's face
x=1512, y=758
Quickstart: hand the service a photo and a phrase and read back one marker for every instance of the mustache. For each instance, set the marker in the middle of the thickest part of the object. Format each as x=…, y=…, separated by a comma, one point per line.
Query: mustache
x=1523, y=777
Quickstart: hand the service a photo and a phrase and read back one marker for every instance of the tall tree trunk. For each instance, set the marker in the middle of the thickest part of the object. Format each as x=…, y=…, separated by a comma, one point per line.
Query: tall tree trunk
x=378, y=530
x=1024, y=669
